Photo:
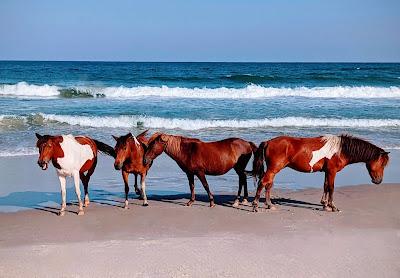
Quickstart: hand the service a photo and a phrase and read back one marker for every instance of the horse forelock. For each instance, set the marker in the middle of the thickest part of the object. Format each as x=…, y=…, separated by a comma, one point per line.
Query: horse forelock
x=359, y=150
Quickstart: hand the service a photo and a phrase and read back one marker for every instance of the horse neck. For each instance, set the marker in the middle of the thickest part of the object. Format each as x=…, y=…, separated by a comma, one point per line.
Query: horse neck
x=57, y=153
x=136, y=153
x=359, y=151
x=173, y=147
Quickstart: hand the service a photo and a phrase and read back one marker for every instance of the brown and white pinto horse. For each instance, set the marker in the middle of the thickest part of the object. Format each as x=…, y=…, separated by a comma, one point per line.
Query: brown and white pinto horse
x=328, y=154
x=71, y=156
x=197, y=158
x=129, y=152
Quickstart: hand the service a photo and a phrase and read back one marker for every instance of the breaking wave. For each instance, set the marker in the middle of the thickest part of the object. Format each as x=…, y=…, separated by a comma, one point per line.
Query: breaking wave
x=195, y=124
x=23, y=89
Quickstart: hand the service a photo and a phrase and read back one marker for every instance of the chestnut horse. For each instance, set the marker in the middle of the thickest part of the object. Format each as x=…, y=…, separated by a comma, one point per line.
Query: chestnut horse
x=71, y=156
x=129, y=158
x=328, y=154
x=197, y=158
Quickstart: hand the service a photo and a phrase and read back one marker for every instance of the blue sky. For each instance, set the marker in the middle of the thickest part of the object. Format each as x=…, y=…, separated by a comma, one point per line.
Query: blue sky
x=206, y=30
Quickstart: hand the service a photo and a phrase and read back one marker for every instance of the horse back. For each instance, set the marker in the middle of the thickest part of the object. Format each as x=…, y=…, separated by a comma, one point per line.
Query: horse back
x=218, y=157
x=83, y=140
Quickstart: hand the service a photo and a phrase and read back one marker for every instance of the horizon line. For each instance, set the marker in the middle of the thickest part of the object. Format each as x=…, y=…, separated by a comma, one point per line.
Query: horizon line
x=243, y=62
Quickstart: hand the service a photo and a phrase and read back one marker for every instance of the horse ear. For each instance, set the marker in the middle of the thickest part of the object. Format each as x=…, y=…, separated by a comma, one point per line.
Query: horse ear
x=38, y=136
x=129, y=134
x=115, y=137
x=385, y=152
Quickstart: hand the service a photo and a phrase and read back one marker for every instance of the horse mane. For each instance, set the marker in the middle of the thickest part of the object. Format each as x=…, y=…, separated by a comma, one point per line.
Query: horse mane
x=359, y=150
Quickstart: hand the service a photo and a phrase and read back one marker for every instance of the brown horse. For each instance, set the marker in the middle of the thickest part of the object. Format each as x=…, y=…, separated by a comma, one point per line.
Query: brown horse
x=197, y=158
x=328, y=154
x=71, y=156
x=129, y=158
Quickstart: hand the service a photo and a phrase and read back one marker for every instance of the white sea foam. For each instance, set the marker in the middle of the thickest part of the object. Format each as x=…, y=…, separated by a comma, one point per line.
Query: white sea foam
x=196, y=124
x=18, y=152
x=24, y=89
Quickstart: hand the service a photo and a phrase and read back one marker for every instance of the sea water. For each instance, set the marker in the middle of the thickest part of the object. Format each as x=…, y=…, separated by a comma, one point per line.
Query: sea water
x=210, y=101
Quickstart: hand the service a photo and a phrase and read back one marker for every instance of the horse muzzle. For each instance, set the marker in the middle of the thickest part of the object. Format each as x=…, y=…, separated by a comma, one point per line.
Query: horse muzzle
x=118, y=166
x=43, y=164
x=377, y=180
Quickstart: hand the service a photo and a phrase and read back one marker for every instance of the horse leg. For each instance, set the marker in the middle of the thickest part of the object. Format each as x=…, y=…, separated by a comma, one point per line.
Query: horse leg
x=63, y=183
x=85, y=182
x=202, y=178
x=78, y=193
x=324, y=201
x=143, y=185
x=236, y=203
x=239, y=168
x=191, y=185
x=331, y=186
x=242, y=183
x=137, y=190
x=257, y=197
x=267, y=182
x=125, y=177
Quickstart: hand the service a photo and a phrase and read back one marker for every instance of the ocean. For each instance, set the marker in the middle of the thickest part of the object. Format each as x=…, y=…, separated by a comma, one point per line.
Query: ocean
x=210, y=101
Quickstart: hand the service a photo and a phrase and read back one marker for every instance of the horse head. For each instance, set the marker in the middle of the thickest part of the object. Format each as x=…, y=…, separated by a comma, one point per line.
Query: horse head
x=46, y=145
x=123, y=149
x=377, y=166
x=156, y=146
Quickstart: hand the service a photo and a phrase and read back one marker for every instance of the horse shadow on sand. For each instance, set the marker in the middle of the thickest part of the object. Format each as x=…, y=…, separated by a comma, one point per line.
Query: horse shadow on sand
x=50, y=201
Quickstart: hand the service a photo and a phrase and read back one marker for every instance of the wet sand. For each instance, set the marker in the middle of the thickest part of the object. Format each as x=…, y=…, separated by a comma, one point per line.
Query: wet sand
x=168, y=239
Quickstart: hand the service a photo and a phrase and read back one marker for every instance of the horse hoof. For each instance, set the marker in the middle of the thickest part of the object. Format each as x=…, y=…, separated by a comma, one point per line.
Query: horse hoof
x=271, y=207
x=236, y=203
x=212, y=205
x=245, y=202
x=86, y=204
x=189, y=204
x=326, y=208
x=255, y=209
x=81, y=212
x=61, y=213
x=146, y=204
x=335, y=209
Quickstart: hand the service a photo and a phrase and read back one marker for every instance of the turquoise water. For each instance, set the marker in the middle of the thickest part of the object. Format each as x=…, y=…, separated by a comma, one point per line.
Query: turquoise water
x=211, y=101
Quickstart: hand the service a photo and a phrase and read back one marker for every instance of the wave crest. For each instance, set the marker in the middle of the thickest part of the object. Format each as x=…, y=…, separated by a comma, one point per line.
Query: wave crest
x=24, y=89
x=196, y=124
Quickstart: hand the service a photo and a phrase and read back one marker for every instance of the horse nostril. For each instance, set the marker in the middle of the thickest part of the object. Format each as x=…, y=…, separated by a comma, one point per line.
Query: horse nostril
x=117, y=166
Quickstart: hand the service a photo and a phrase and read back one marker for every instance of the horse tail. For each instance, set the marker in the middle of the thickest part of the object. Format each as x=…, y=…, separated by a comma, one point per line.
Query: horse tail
x=258, y=162
x=104, y=148
x=253, y=148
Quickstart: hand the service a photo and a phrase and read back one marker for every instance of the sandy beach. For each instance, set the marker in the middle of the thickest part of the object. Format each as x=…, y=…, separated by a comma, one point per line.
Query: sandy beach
x=168, y=239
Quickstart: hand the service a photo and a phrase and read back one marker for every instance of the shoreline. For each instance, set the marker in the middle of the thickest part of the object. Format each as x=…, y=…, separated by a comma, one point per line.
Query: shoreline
x=169, y=239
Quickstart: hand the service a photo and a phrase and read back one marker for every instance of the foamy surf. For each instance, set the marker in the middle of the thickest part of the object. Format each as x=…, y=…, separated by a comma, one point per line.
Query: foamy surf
x=197, y=124
x=18, y=152
x=25, y=90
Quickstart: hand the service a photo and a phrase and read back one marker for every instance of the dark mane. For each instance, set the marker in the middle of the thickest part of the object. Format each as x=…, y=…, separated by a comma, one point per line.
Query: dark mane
x=359, y=150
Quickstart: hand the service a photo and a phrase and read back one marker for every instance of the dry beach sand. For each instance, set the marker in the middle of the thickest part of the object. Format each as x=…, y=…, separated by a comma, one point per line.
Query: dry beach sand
x=168, y=239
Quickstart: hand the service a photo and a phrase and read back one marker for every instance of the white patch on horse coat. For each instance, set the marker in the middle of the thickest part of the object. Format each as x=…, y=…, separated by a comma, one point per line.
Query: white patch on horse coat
x=75, y=155
x=332, y=146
